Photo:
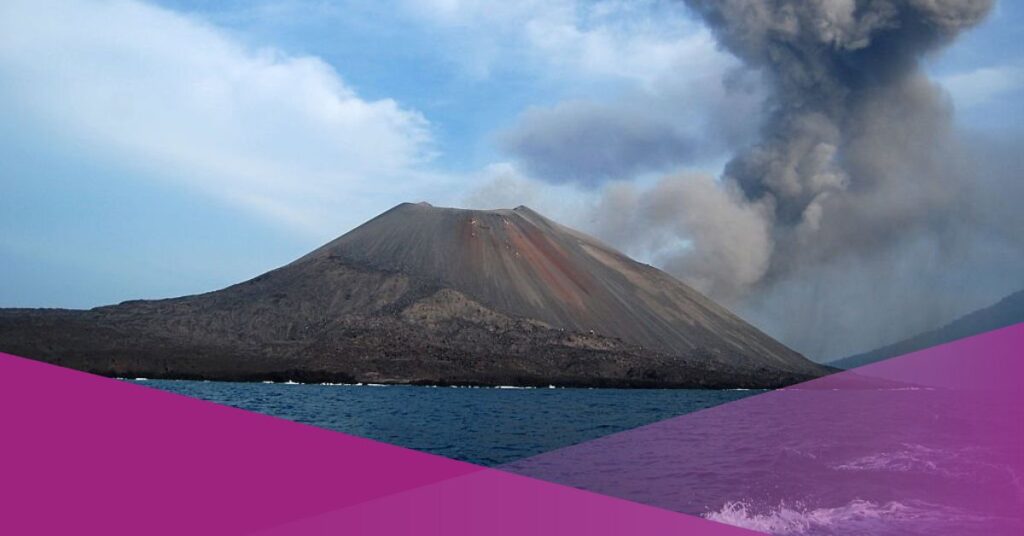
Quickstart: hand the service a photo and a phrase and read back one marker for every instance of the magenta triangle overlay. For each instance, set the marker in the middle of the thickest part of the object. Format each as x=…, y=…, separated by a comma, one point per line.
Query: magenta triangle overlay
x=89, y=454
x=927, y=443
x=83, y=454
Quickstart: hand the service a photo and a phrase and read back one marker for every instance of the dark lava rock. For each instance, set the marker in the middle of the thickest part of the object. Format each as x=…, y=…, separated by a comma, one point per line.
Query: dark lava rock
x=428, y=295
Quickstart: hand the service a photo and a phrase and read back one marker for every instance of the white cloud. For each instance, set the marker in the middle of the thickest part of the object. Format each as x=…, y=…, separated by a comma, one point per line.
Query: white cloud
x=980, y=86
x=638, y=41
x=280, y=135
x=644, y=86
x=504, y=185
x=619, y=44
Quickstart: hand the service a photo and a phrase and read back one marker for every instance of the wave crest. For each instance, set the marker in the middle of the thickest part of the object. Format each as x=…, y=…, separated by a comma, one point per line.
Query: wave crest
x=797, y=519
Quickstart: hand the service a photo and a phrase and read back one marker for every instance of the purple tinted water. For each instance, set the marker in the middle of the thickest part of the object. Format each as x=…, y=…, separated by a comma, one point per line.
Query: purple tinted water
x=793, y=467
x=931, y=443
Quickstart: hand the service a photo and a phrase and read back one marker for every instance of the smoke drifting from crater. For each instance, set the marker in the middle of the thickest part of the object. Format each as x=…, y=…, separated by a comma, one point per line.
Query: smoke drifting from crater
x=857, y=159
x=856, y=152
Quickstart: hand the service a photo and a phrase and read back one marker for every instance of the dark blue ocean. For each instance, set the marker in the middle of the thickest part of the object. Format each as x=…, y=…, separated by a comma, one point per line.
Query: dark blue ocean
x=827, y=460
x=488, y=426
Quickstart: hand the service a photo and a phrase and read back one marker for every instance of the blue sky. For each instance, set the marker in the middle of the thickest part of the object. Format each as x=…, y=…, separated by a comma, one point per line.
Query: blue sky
x=154, y=149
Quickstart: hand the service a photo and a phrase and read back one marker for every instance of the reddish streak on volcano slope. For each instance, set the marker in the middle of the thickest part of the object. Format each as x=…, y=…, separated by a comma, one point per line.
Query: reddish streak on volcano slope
x=551, y=262
x=520, y=263
x=426, y=294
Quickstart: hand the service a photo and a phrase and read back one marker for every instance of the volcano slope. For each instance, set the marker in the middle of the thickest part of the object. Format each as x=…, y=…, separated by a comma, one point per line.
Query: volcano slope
x=428, y=295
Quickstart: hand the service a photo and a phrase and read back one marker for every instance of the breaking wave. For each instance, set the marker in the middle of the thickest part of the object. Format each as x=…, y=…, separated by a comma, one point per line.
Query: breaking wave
x=962, y=464
x=912, y=458
x=858, y=516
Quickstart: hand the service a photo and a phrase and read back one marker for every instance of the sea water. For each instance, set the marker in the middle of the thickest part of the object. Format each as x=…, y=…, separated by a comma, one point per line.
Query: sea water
x=488, y=426
x=889, y=461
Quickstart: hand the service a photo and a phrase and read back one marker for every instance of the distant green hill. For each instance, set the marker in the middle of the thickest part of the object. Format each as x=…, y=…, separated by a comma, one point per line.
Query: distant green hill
x=1007, y=312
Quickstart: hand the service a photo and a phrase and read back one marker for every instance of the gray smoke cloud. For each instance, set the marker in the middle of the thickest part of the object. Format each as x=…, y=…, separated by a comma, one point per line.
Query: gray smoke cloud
x=694, y=226
x=857, y=151
x=858, y=184
x=590, y=143
x=681, y=119
x=854, y=212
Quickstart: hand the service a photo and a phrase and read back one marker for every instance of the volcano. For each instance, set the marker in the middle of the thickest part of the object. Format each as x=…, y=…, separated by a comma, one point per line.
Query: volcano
x=428, y=295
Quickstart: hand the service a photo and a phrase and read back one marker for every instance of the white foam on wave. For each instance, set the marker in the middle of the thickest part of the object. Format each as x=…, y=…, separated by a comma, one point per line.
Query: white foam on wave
x=911, y=458
x=856, y=517
x=785, y=519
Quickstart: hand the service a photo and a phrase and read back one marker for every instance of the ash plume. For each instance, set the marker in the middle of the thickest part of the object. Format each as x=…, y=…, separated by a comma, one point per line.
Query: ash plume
x=856, y=150
x=858, y=164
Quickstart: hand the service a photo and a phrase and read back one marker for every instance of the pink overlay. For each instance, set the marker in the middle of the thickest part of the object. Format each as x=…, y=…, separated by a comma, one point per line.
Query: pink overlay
x=927, y=443
x=89, y=455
